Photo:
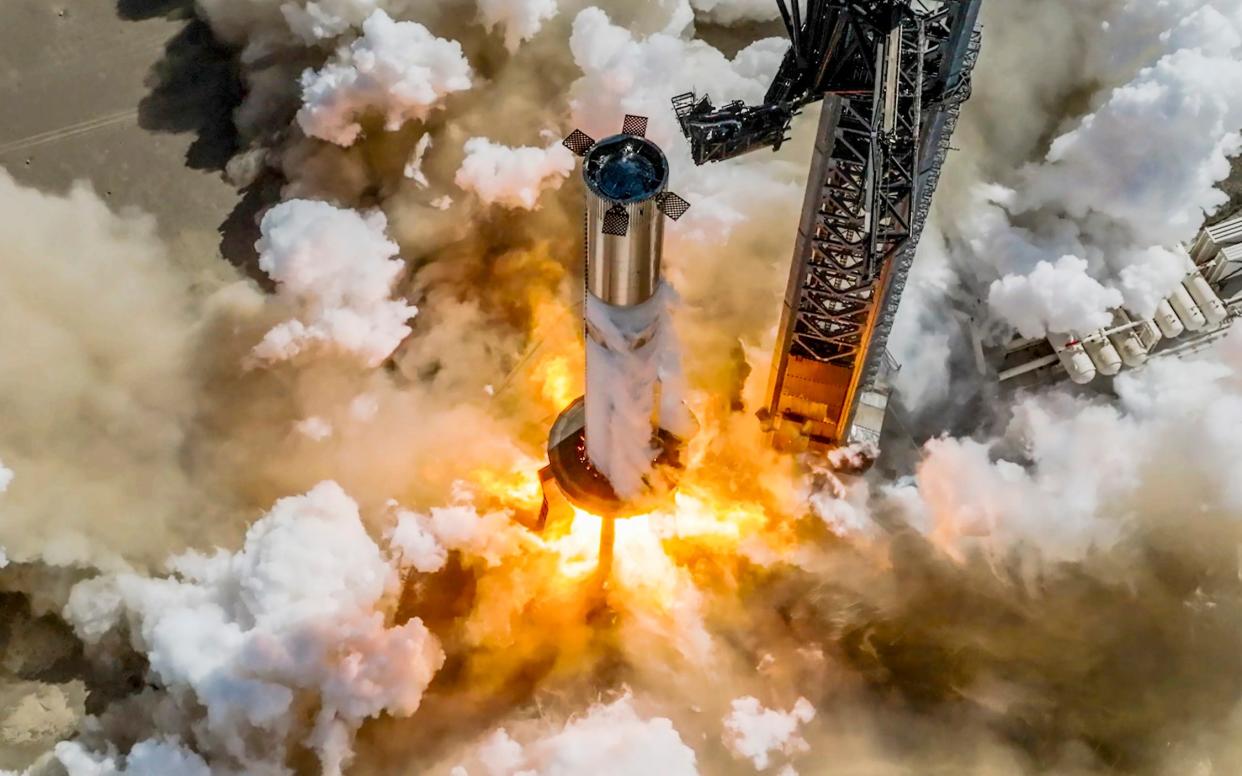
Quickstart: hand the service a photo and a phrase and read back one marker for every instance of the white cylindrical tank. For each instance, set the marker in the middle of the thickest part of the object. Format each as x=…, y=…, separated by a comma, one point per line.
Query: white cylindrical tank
x=1149, y=333
x=1167, y=321
x=1209, y=303
x=1187, y=311
x=1105, y=357
x=1073, y=357
x=1127, y=342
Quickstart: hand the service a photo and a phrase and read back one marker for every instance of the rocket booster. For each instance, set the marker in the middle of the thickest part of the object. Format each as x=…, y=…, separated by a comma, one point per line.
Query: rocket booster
x=615, y=451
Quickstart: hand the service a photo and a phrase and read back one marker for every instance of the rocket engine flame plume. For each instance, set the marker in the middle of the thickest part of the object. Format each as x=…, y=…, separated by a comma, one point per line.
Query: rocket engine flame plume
x=279, y=531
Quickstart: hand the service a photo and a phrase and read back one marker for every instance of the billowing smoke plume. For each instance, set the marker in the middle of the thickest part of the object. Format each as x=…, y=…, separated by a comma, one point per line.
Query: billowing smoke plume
x=282, y=533
x=100, y=391
x=423, y=541
x=398, y=70
x=755, y=733
x=512, y=177
x=337, y=268
x=1070, y=475
x=611, y=740
x=1097, y=222
x=237, y=639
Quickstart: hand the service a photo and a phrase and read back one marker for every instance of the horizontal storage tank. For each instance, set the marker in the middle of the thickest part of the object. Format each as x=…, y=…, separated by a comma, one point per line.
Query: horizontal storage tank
x=1073, y=357
x=1105, y=357
x=1127, y=342
x=1149, y=333
x=1206, y=299
x=1167, y=321
x=1187, y=311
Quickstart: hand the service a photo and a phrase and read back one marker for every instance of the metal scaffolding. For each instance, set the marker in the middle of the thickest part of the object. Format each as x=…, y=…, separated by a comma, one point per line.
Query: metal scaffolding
x=892, y=76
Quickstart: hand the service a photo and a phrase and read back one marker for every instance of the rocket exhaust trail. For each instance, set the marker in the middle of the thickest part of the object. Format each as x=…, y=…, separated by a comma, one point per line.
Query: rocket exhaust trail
x=615, y=452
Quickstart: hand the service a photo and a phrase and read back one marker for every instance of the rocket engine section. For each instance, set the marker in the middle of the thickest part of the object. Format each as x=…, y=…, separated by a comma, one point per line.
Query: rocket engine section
x=615, y=452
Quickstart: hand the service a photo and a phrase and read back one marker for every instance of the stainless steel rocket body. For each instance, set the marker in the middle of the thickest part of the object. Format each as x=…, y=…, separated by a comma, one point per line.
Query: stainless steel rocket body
x=624, y=270
x=625, y=176
x=603, y=450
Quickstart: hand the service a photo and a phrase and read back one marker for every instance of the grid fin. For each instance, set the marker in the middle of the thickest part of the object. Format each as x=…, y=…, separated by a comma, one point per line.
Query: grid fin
x=672, y=205
x=616, y=221
x=634, y=125
x=579, y=142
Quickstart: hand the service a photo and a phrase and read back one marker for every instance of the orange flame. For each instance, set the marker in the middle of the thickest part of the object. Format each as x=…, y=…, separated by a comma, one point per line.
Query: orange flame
x=558, y=385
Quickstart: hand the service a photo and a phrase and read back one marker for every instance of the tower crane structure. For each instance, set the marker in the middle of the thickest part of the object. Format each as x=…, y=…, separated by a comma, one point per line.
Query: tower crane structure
x=892, y=75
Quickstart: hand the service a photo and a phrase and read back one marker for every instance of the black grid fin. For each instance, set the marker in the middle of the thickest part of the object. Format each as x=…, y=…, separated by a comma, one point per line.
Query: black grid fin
x=634, y=125
x=616, y=221
x=672, y=205
x=579, y=142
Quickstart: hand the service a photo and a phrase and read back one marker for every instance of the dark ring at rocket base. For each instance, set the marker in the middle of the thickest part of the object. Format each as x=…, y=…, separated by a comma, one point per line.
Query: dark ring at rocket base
x=586, y=487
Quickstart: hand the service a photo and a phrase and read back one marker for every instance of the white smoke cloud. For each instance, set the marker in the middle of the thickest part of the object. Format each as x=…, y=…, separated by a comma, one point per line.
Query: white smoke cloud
x=314, y=428
x=414, y=167
x=1054, y=297
x=263, y=27
x=319, y=20
x=923, y=331
x=296, y=611
x=499, y=754
x=845, y=511
x=1072, y=474
x=424, y=540
x=337, y=268
x=152, y=757
x=520, y=20
x=6, y=477
x=513, y=177
x=1121, y=189
x=608, y=740
x=98, y=331
x=398, y=70
x=613, y=740
x=420, y=548
x=754, y=732
x=624, y=73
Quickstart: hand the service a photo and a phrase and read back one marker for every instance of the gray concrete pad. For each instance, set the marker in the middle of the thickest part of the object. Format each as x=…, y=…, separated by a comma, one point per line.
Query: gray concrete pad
x=131, y=95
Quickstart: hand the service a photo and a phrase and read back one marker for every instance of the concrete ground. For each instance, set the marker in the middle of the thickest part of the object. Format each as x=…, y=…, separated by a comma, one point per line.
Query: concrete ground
x=131, y=95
